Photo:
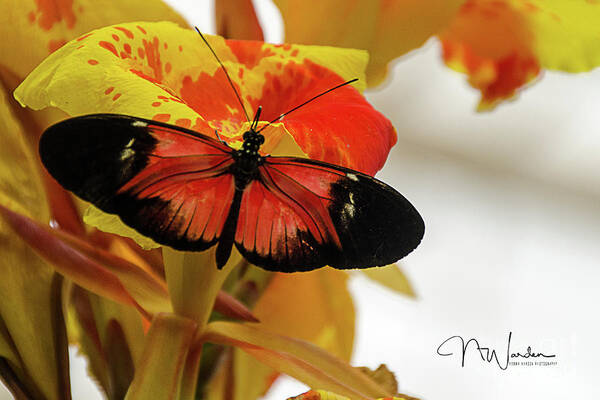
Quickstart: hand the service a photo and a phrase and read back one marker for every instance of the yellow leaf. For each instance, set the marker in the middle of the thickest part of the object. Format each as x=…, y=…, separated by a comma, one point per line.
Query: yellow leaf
x=297, y=358
x=31, y=307
x=111, y=336
x=324, y=395
x=314, y=306
x=392, y=277
x=161, y=365
x=383, y=376
x=249, y=382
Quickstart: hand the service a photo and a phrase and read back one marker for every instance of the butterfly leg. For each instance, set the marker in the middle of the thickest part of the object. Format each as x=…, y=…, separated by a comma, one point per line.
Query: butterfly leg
x=219, y=137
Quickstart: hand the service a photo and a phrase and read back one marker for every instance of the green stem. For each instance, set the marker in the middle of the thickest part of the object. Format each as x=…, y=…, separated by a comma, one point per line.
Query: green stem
x=194, y=282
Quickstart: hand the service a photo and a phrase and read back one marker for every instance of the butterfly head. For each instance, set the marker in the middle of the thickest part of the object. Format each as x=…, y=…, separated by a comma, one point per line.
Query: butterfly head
x=252, y=141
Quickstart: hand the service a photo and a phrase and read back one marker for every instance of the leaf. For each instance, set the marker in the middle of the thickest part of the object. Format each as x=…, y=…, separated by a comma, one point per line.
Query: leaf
x=313, y=306
x=283, y=309
x=323, y=395
x=297, y=358
x=387, y=29
x=165, y=349
x=383, y=376
x=392, y=277
x=67, y=261
x=33, y=342
x=111, y=335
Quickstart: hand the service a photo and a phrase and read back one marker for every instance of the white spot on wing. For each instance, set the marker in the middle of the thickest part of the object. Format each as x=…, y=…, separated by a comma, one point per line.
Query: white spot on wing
x=140, y=124
x=352, y=177
x=126, y=153
x=349, y=210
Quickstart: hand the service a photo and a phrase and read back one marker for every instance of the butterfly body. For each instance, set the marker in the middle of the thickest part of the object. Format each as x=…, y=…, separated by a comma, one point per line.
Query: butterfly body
x=189, y=191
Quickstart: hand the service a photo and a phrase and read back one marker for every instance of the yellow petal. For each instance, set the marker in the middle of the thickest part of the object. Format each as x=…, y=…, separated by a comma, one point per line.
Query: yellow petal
x=43, y=26
x=565, y=33
x=387, y=29
x=392, y=277
x=111, y=223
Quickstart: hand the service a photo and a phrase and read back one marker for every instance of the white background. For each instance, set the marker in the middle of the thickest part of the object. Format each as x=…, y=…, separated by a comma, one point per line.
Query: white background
x=511, y=201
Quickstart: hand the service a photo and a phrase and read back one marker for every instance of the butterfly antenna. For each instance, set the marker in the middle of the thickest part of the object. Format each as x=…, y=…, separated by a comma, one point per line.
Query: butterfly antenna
x=256, y=118
x=308, y=101
x=237, y=95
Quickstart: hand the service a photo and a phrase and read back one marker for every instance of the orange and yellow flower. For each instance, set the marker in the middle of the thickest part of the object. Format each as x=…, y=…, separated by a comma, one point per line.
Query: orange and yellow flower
x=502, y=45
x=166, y=73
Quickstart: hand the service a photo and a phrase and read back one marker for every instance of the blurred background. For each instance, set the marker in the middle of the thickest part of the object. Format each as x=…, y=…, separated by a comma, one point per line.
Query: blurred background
x=511, y=201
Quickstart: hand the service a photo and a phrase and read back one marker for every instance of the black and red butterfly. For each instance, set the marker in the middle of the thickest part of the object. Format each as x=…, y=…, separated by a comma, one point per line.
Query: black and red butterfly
x=189, y=191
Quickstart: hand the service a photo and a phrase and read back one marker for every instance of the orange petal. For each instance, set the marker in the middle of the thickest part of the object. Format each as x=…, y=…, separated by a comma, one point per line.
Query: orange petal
x=491, y=42
x=237, y=20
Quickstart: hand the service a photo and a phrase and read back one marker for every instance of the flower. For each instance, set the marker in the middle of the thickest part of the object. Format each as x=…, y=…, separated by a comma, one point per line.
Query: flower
x=163, y=72
x=501, y=44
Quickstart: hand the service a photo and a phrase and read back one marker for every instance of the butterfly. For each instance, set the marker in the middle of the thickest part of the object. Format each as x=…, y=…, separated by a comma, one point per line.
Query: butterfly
x=189, y=191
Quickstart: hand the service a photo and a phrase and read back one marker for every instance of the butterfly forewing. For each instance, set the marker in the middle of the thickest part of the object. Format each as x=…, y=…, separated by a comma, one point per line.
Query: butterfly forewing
x=168, y=183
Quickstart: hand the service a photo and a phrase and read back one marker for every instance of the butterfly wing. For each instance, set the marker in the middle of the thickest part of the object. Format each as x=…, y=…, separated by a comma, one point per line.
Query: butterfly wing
x=169, y=183
x=302, y=214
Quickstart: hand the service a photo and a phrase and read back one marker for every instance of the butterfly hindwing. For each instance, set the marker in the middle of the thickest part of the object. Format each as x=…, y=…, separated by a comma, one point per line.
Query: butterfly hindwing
x=303, y=214
x=168, y=183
